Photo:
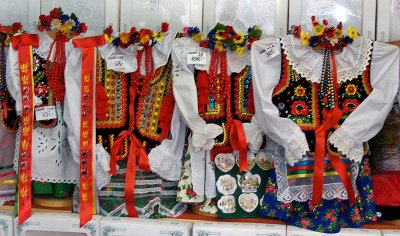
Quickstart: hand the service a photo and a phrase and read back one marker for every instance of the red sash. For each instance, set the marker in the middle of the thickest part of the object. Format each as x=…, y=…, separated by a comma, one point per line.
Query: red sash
x=87, y=188
x=24, y=43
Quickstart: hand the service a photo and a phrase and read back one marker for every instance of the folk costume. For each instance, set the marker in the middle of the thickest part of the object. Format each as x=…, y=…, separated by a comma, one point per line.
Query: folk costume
x=37, y=63
x=215, y=99
x=137, y=128
x=320, y=109
x=9, y=120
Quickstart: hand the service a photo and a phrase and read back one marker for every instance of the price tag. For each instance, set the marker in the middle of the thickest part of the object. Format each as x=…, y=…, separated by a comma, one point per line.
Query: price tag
x=269, y=52
x=196, y=58
x=45, y=113
x=116, y=62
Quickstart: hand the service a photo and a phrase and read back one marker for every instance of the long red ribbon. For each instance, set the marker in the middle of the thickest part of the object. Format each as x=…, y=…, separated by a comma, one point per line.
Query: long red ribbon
x=24, y=43
x=137, y=153
x=238, y=142
x=330, y=119
x=86, y=136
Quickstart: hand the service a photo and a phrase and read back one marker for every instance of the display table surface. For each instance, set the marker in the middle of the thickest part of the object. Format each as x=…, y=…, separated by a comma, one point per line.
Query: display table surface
x=189, y=216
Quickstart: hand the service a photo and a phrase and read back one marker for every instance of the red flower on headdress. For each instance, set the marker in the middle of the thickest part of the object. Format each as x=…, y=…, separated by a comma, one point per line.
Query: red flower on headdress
x=299, y=108
x=164, y=27
x=55, y=13
x=109, y=30
x=83, y=27
x=16, y=26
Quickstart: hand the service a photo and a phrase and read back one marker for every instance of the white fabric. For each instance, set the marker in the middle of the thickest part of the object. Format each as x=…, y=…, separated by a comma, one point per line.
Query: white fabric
x=103, y=176
x=254, y=135
x=351, y=62
x=236, y=63
x=165, y=159
x=202, y=169
x=359, y=127
x=51, y=156
x=161, y=52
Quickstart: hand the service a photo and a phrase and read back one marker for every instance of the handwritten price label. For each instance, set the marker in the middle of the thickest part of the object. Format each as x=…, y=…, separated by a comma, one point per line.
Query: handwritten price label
x=116, y=62
x=269, y=52
x=196, y=58
x=45, y=113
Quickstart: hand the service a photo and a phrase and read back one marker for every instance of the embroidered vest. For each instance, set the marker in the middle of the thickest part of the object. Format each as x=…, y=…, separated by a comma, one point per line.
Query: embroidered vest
x=241, y=97
x=297, y=98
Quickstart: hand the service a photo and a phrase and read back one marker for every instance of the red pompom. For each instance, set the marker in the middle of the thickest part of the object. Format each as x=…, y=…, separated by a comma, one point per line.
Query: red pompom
x=109, y=30
x=164, y=27
x=41, y=28
x=42, y=18
x=325, y=22
x=83, y=27
x=16, y=26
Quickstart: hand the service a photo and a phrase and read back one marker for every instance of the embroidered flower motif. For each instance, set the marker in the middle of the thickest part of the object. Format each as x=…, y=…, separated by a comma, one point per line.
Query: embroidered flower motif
x=240, y=50
x=351, y=89
x=324, y=35
x=41, y=90
x=239, y=38
x=350, y=105
x=158, y=36
x=55, y=24
x=299, y=108
x=124, y=37
x=352, y=32
x=299, y=91
x=318, y=30
x=305, y=38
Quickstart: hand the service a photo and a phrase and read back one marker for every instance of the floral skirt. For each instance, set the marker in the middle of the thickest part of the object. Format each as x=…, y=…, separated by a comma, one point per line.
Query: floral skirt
x=328, y=216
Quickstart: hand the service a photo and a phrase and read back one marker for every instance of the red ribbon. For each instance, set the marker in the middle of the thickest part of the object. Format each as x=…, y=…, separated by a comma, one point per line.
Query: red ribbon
x=137, y=153
x=24, y=43
x=86, y=136
x=238, y=142
x=330, y=119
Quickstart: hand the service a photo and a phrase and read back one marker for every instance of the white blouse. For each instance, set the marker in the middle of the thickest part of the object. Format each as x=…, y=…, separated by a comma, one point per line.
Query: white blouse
x=51, y=156
x=360, y=126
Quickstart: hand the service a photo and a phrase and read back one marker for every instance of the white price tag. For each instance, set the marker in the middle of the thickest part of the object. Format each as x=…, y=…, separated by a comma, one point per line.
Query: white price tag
x=45, y=113
x=116, y=62
x=196, y=58
x=269, y=52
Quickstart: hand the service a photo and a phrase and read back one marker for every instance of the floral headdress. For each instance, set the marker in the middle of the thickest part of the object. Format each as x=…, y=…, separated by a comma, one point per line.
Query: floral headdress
x=7, y=31
x=325, y=35
x=143, y=37
x=224, y=36
x=61, y=22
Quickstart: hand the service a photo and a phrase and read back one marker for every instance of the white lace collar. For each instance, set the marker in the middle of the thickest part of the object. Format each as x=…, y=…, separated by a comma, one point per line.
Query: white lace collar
x=351, y=62
x=235, y=63
x=161, y=52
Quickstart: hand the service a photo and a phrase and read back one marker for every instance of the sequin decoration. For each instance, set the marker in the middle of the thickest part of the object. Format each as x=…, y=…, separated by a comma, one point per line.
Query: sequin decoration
x=242, y=86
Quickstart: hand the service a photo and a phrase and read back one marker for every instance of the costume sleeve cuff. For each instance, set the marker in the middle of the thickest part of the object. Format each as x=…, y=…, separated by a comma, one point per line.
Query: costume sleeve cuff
x=164, y=162
x=254, y=135
x=296, y=149
x=347, y=145
x=203, y=137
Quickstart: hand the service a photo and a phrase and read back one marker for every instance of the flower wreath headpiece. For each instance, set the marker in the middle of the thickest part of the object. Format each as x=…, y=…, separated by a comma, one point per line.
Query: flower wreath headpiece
x=143, y=37
x=7, y=31
x=224, y=36
x=325, y=35
x=61, y=22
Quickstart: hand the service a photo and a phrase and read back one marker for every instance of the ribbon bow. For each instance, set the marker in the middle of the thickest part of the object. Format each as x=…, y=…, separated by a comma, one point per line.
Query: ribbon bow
x=25, y=40
x=89, y=42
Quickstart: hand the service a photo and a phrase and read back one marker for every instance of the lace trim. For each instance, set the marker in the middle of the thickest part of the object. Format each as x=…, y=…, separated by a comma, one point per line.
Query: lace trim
x=204, y=137
x=302, y=193
x=296, y=154
x=148, y=210
x=163, y=163
x=343, y=75
x=6, y=199
x=361, y=65
x=346, y=144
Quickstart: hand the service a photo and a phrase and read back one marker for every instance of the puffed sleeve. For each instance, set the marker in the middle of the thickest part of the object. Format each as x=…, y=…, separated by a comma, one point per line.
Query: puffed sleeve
x=72, y=100
x=165, y=159
x=185, y=94
x=368, y=118
x=12, y=77
x=283, y=131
